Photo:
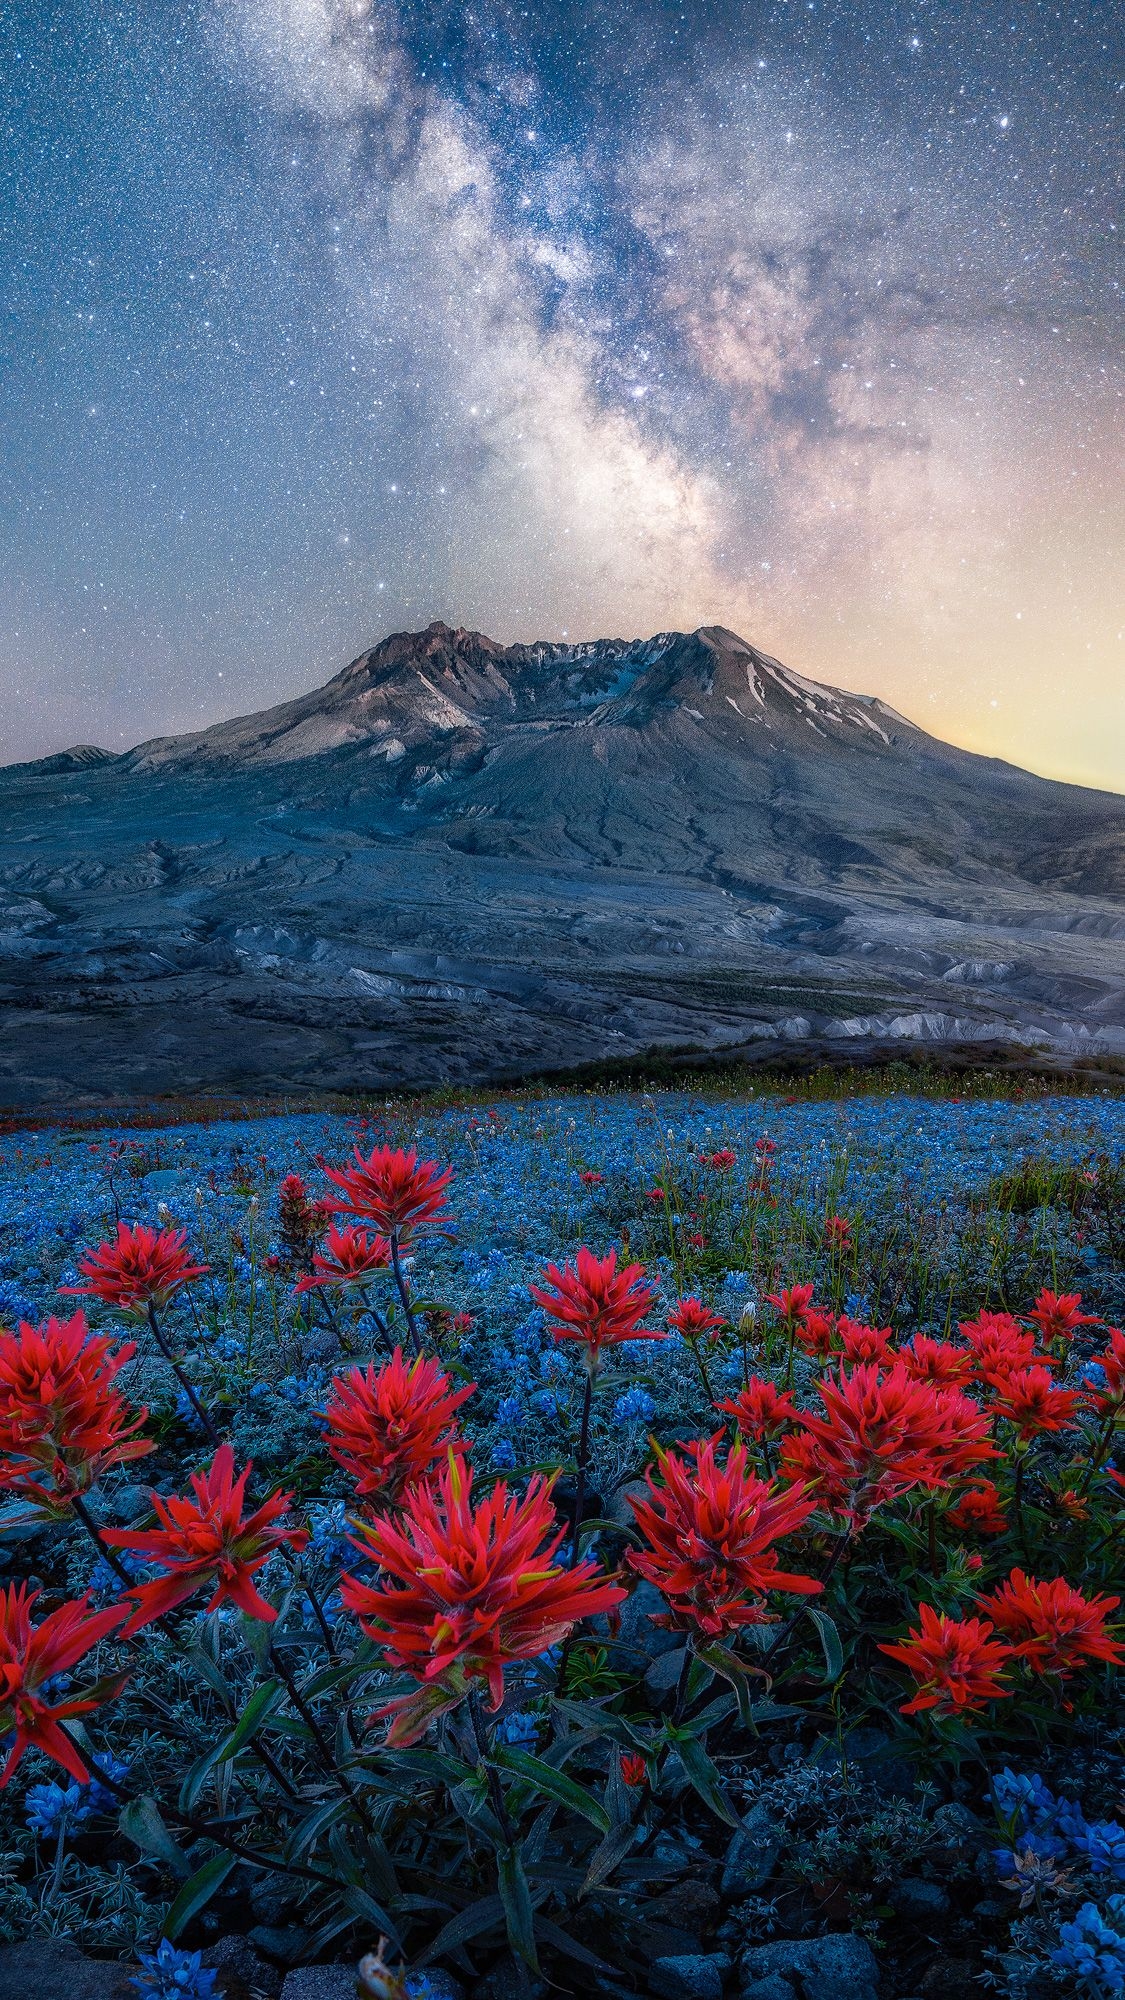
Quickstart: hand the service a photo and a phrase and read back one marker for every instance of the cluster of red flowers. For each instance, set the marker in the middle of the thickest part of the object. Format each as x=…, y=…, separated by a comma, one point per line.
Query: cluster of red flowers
x=62, y=1418
x=960, y=1663
x=205, y=1540
x=403, y=1196
x=466, y=1586
x=882, y=1433
x=350, y=1257
x=464, y=1590
x=709, y=1532
x=389, y=1428
x=593, y=1302
x=140, y=1268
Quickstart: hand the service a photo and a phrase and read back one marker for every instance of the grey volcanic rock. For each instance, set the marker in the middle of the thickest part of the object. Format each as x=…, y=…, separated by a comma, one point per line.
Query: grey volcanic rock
x=461, y=861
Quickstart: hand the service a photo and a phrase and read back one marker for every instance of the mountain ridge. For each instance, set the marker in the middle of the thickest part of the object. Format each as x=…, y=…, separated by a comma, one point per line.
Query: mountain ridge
x=458, y=859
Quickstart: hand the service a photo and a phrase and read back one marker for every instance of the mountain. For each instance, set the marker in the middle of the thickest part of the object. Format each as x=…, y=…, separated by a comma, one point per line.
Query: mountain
x=460, y=859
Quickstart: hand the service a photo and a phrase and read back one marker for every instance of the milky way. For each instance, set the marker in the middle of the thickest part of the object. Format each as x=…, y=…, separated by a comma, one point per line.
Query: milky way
x=324, y=318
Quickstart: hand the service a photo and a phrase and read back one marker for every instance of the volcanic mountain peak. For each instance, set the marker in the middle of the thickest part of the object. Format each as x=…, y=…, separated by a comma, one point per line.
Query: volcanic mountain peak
x=416, y=688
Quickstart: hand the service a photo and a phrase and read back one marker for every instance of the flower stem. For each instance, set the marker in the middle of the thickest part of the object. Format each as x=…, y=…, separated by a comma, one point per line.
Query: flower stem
x=404, y=1293
x=82, y=1513
x=191, y=1394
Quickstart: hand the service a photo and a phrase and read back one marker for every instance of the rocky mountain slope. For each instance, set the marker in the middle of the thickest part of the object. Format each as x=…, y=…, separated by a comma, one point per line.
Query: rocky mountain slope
x=461, y=859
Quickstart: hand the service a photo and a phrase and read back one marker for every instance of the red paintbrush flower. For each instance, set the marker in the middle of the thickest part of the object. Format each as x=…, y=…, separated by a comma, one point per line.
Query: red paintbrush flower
x=300, y=1219
x=466, y=1590
x=882, y=1434
x=838, y=1232
x=142, y=1267
x=865, y=1343
x=928, y=1360
x=1059, y=1315
x=61, y=1417
x=1033, y=1402
x=389, y=1429
x=30, y=1656
x=998, y=1343
x=634, y=1771
x=957, y=1662
x=205, y=1539
x=761, y=1410
x=350, y=1257
x=1108, y=1395
x=722, y=1161
x=592, y=1301
x=1051, y=1625
x=403, y=1196
x=978, y=1511
x=692, y=1319
x=710, y=1532
x=791, y=1303
x=816, y=1332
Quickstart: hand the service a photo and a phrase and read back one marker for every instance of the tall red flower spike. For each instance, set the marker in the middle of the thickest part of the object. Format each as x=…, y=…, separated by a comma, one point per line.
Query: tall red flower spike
x=206, y=1540
x=978, y=1511
x=142, y=1267
x=999, y=1343
x=940, y=1361
x=1108, y=1395
x=1059, y=1315
x=466, y=1590
x=792, y=1302
x=592, y=1301
x=403, y=1196
x=1051, y=1625
x=710, y=1532
x=30, y=1656
x=1033, y=1402
x=62, y=1418
x=957, y=1662
x=350, y=1257
x=816, y=1332
x=865, y=1343
x=693, y=1319
x=388, y=1429
x=761, y=1410
x=882, y=1434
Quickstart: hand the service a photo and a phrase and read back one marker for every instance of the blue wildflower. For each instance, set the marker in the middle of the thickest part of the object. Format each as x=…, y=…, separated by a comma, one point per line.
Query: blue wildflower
x=170, y=1974
x=518, y=1728
x=509, y=1411
x=50, y=1807
x=636, y=1406
x=504, y=1454
x=1092, y=1949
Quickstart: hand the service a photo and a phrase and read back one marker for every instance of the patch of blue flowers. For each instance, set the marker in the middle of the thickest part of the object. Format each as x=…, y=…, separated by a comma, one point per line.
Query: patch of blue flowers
x=169, y=1974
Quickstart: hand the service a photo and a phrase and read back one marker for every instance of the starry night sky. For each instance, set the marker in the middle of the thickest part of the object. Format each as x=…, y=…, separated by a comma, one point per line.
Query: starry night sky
x=324, y=318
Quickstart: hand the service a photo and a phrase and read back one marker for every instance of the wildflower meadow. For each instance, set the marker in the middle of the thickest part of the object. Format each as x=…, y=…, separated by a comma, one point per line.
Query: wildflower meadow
x=606, y=1544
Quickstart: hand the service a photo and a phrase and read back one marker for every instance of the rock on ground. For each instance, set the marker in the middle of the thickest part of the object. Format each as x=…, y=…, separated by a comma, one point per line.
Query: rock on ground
x=838, y=1967
x=55, y=1969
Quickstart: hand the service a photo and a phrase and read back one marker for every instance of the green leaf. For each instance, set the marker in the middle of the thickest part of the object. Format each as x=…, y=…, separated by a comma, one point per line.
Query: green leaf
x=141, y=1823
x=197, y=1892
x=480, y=1918
x=516, y=1898
x=261, y=1704
x=555, y=1784
x=196, y=1777
x=202, y=1664
x=607, y=1854
x=701, y=1774
x=312, y=1826
x=602, y=1723
x=552, y=1933
x=830, y=1641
